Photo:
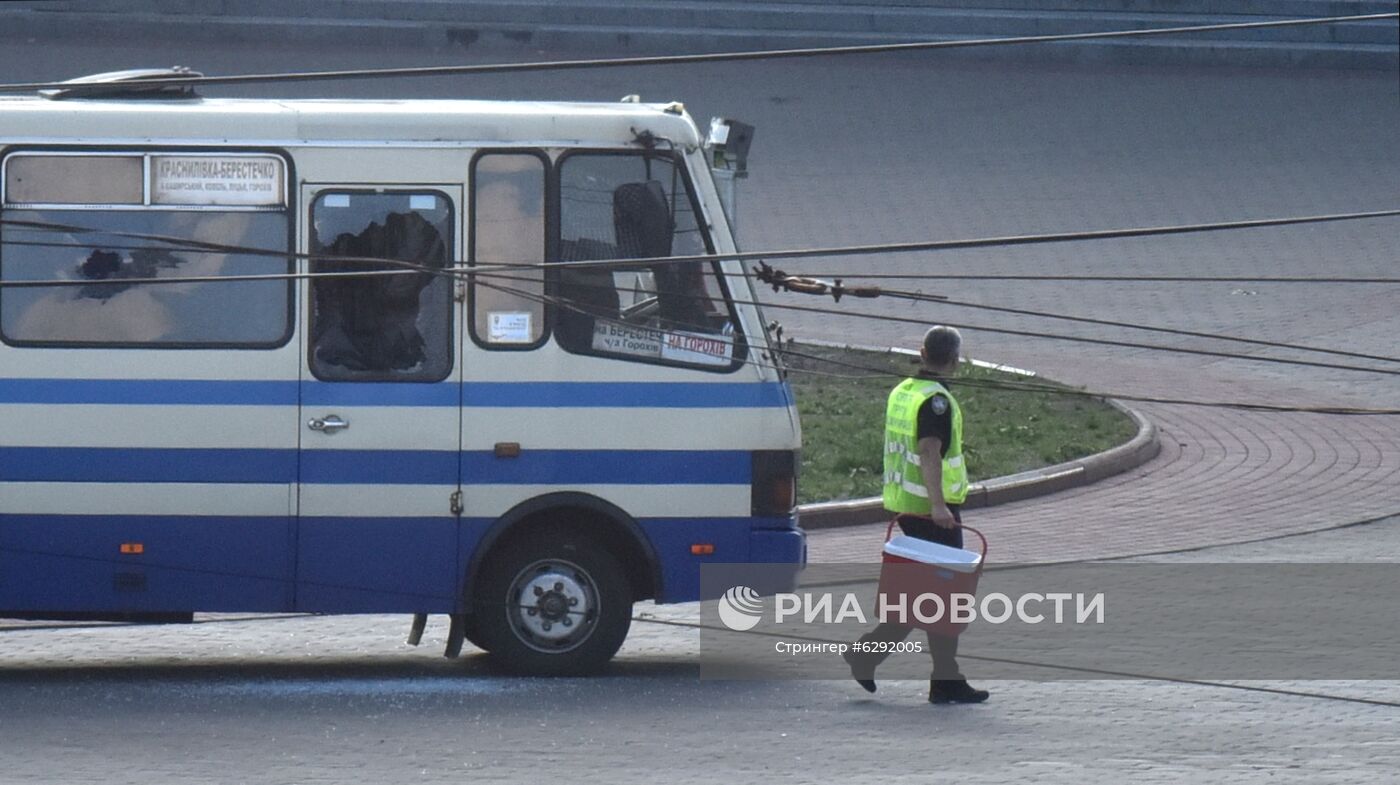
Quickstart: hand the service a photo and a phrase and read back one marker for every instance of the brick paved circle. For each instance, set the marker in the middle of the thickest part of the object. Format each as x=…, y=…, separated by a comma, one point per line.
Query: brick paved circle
x=1001, y=150
x=1235, y=478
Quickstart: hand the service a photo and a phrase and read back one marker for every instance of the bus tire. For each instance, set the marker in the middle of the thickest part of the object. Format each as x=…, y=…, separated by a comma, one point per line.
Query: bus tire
x=553, y=604
x=471, y=630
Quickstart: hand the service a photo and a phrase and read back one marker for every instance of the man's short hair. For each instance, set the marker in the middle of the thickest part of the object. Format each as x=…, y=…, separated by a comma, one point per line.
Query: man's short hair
x=942, y=345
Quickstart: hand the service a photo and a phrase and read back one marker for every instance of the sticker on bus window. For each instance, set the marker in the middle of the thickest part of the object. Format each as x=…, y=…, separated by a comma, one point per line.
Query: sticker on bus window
x=698, y=348
x=236, y=181
x=623, y=339
x=509, y=327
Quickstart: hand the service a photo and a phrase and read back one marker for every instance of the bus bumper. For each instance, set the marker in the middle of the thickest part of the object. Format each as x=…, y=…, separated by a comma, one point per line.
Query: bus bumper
x=778, y=546
x=738, y=542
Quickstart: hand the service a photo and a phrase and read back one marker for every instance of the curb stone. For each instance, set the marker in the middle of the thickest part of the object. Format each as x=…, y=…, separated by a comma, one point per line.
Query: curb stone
x=1133, y=453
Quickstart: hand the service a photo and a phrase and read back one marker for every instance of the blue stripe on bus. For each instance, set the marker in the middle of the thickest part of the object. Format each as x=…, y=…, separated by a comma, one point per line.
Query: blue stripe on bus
x=103, y=464
x=379, y=467
x=162, y=392
x=165, y=392
x=630, y=467
x=374, y=467
x=380, y=394
x=669, y=395
x=533, y=467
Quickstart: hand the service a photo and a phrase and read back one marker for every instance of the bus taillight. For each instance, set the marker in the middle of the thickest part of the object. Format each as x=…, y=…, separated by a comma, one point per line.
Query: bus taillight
x=774, y=483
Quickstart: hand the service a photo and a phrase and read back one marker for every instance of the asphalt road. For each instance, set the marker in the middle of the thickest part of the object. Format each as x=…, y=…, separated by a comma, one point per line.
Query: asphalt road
x=879, y=150
x=342, y=699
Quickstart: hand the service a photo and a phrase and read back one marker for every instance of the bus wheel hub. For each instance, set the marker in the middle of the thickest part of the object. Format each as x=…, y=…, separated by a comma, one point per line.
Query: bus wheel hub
x=555, y=602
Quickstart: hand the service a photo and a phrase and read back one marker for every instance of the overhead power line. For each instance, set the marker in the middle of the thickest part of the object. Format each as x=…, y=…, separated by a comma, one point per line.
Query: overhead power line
x=1106, y=278
x=937, y=299
x=181, y=246
x=981, y=242
x=942, y=300
x=1081, y=339
x=1167, y=330
x=456, y=272
x=1071, y=392
x=1024, y=387
x=1058, y=665
x=798, y=253
x=689, y=59
x=408, y=268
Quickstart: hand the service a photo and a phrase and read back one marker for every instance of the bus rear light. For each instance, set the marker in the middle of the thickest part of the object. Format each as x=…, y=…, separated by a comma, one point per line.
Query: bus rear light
x=774, y=491
x=132, y=548
x=702, y=549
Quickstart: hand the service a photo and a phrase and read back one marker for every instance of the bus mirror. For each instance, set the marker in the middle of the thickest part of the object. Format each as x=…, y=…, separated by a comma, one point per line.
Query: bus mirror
x=729, y=142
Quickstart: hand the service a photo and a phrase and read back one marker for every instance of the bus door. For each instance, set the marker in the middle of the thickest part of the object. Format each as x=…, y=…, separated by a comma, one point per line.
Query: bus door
x=506, y=333
x=380, y=403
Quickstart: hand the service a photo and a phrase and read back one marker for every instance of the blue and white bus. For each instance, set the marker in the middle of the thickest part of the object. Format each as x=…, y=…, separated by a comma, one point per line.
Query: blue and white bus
x=355, y=421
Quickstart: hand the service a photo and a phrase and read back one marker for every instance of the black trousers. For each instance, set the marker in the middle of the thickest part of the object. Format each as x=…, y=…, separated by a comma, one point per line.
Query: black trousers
x=943, y=649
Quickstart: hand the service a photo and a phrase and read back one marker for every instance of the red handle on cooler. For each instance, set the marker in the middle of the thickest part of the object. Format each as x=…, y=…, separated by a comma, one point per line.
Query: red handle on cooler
x=982, y=563
x=889, y=532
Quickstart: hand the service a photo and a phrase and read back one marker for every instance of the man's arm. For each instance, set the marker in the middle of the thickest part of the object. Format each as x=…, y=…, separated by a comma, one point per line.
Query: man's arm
x=931, y=464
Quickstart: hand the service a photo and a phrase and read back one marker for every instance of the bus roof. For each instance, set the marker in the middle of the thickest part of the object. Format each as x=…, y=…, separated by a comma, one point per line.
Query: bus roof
x=34, y=120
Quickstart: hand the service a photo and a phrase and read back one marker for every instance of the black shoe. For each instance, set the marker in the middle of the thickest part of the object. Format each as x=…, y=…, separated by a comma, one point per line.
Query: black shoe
x=958, y=691
x=858, y=670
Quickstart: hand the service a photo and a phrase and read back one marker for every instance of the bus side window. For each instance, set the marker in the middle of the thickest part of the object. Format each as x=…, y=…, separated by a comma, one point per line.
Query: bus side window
x=395, y=327
x=508, y=226
x=95, y=220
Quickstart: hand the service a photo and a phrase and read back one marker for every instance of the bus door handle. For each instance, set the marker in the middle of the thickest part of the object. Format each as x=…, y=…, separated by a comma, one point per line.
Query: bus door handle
x=328, y=424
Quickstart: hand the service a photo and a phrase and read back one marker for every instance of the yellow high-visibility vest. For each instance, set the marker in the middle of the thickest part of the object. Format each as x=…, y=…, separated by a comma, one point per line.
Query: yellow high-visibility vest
x=904, y=479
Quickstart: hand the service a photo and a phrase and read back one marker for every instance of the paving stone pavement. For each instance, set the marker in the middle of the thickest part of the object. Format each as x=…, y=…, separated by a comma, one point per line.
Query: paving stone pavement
x=1221, y=477
x=342, y=699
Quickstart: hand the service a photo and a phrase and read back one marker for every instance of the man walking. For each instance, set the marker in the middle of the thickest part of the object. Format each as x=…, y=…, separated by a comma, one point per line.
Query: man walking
x=925, y=485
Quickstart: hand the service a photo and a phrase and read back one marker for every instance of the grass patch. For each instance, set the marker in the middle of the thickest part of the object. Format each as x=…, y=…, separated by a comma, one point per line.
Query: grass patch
x=1004, y=431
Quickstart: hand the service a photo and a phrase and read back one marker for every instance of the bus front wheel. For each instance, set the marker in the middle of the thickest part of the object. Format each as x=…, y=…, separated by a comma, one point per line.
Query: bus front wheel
x=553, y=604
